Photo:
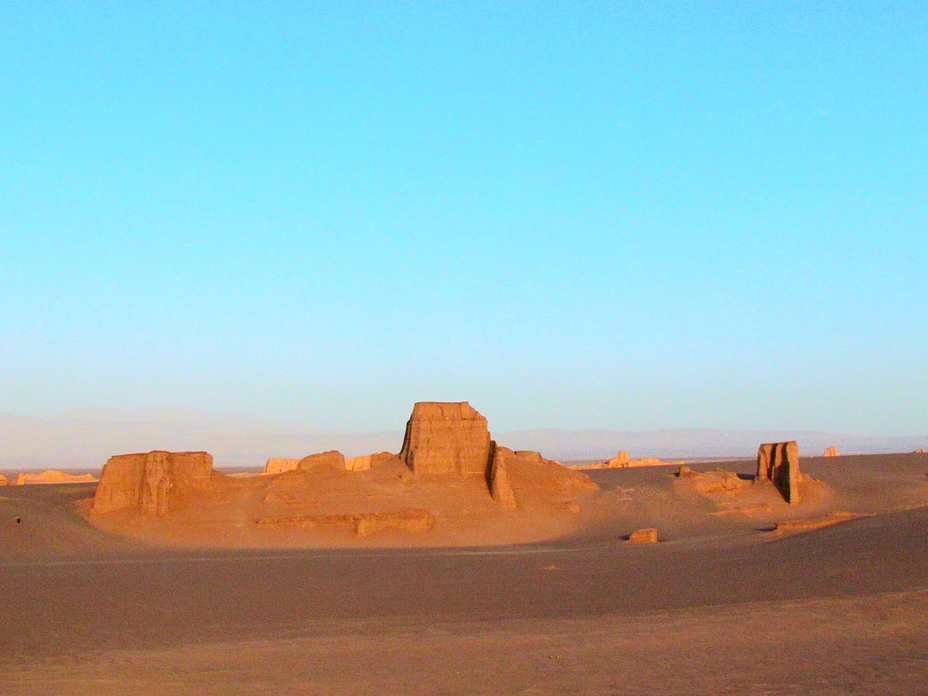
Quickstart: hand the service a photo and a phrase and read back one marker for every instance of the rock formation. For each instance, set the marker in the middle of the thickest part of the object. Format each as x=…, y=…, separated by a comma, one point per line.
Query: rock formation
x=278, y=465
x=832, y=452
x=368, y=461
x=4, y=481
x=779, y=462
x=150, y=482
x=621, y=461
x=53, y=476
x=332, y=458
x=717, y=481
x=643, y=536
x=444, y=438
x=618, y=461
x=498, y=479
x=449, y=475
x=363, y=525
x=813, y=523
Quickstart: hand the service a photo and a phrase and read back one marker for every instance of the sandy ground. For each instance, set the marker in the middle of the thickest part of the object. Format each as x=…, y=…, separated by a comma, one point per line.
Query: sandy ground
x=720, y=607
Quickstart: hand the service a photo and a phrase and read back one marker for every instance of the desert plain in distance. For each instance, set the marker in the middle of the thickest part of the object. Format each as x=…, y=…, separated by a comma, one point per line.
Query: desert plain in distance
x=458, y=566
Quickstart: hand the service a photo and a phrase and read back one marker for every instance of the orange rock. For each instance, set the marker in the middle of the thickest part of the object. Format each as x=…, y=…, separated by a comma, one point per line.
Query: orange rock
x=363, y=525
x=332, y=458
x=529, y=456
x=148, y=482
x=278, y=465
x=717, y=481
x=53, y=476
x=779, y=462
x=619, y=461
x=832, y=452
x=500, y=485
x=368, y=461
x=4, y=481
x=446, y=437
x=643, y=536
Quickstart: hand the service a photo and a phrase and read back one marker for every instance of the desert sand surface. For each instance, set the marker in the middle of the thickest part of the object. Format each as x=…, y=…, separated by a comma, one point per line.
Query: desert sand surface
x=722, y=604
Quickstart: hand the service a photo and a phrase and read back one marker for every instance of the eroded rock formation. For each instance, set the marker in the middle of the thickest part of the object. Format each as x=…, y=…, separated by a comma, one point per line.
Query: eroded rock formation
x=715, y=481
x=367, y=461
x=498, y=479
x=332, y=458
x=832, y=452
x=278, y=465
x=619, y=461
x=779, y=462
x=148, y=482
x=4, y=481
x=449, y=475
x=445, y=438
x=54, y=476
x=363, y=525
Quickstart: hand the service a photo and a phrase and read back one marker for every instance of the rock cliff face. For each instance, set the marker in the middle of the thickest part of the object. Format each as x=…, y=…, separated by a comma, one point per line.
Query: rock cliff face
x=149, y=482
x=278, y=465
x=779, y=462
x=444, y=438
x=498, y=479
x=367, y=461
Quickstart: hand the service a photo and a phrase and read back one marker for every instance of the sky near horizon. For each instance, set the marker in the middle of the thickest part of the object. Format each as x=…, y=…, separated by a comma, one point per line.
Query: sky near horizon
x=571, y=214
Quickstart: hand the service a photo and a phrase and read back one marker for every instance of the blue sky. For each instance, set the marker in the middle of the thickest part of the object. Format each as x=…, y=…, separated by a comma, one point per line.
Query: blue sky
x=581, y=215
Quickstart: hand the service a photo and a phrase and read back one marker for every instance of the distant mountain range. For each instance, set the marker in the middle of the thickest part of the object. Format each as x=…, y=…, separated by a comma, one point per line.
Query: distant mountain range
x=85, y=439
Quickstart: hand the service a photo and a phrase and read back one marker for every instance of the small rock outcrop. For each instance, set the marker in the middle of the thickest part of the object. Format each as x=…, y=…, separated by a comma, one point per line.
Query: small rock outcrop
x=445, y=438
x=643, y=536
x=716, y=481
x=779, y=462
x=332, y=458
x=4, y=481
x=498, y=479
x=832, y=452
x=278, y=465
x=150, y=482
x=621, y=460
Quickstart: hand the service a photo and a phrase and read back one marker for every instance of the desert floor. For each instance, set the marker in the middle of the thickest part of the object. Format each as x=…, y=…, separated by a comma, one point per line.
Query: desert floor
x=710, y=610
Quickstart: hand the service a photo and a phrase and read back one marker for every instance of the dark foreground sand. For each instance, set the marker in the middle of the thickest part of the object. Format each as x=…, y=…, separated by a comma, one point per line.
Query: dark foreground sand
x=839, y=610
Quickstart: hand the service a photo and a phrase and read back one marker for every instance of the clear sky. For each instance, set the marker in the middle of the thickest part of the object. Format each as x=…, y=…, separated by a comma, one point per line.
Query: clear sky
x=580, y=215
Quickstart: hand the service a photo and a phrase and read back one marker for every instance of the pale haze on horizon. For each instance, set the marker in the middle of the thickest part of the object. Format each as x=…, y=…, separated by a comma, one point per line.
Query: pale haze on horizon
x=575, y=215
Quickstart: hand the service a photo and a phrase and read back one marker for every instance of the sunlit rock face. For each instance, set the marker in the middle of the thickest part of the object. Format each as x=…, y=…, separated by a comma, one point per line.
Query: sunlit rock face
x=446, y=437
x=148, y=482
x=779, y=462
